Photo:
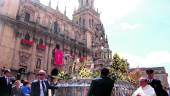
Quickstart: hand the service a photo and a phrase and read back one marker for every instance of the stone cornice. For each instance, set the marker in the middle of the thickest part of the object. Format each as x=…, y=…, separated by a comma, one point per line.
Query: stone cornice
x=59, y=37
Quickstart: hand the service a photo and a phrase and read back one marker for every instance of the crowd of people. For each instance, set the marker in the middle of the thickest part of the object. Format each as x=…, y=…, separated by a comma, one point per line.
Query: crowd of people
x=101, y=86
x=148, y=86
x=38, y=87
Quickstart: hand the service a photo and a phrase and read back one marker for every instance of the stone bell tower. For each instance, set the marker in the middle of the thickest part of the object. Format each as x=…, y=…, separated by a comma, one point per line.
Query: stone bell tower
x=87, y=17
x=86, y=3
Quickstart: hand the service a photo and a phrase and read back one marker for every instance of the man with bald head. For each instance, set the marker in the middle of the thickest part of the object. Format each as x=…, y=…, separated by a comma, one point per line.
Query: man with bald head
x=40, y=87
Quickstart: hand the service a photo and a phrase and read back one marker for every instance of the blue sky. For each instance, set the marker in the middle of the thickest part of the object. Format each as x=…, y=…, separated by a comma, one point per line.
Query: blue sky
x=138, y=30
x=143, y=35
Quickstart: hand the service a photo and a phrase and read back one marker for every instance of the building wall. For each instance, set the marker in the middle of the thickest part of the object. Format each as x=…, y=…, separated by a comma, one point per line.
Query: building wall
x=6, y=44
x=41, y=25
x=9, y=8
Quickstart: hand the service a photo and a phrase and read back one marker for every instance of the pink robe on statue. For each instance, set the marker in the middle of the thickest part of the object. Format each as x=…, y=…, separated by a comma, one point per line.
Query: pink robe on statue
x=58, y=58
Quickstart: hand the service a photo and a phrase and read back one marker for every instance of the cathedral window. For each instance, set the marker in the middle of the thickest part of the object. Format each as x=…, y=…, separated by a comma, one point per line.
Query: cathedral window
x=92, y=22
x=38, y=19
x=41, y=45
x=23, y=60
x=27, y=17
x=41, y=41
x=38, y=63
x=83, y=21
x=56, y=27
x=27, y=37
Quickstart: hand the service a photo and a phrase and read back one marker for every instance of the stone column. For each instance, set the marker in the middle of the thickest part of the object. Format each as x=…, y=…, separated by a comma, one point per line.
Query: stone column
x=49, y=51
x=31, y=65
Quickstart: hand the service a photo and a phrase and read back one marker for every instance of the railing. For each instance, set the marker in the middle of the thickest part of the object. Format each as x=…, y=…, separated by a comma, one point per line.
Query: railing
x=77, y=89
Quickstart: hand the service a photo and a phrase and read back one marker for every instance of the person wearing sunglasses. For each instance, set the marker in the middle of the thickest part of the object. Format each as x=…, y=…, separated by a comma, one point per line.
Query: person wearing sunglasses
x=40, y=87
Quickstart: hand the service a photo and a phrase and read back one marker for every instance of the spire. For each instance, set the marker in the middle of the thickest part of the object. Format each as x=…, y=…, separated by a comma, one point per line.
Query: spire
x=49, y=4
x=86, y=3
x=57, y=6
x=106, y=39
x=74, y=10
x=65, y=11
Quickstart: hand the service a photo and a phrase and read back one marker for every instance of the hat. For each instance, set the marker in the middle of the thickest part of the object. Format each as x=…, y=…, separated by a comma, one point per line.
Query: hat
x=7, y=71
x=149, y=71
x=54, y=77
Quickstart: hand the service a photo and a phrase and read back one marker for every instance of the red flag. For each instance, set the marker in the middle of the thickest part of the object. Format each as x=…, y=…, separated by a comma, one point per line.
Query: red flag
x=58, y=59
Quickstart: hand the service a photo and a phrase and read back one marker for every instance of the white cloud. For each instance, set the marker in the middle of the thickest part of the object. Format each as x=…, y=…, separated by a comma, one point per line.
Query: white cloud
x=152, y=59
x=126, y=26
x=160, y=57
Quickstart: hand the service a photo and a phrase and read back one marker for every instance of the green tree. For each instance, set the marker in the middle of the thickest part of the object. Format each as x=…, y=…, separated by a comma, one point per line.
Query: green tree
x=119, y=68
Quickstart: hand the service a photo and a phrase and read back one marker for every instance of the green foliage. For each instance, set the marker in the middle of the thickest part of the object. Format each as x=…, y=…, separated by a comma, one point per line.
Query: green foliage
x=85, y=73
x=119, y=68
x=64, y=76
x=96, y=74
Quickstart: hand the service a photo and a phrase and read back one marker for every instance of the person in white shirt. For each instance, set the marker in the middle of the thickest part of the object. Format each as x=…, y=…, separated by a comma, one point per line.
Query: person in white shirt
x=40, y=87
x=144, y=89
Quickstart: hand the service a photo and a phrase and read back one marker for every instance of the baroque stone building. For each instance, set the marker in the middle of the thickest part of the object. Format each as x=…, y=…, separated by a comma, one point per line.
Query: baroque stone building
x=29, y=32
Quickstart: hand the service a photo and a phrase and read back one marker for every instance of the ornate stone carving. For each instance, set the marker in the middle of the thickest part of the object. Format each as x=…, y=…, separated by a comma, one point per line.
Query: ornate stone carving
x=24, y=59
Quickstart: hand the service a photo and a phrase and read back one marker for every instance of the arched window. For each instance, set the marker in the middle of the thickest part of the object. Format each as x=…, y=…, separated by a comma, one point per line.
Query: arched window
x=23, y=60
x=27, y=16
x=41, y=41
x=56, y=27
x=38, y=64
x=92, y=22
x=27, y=36
x=83, y=21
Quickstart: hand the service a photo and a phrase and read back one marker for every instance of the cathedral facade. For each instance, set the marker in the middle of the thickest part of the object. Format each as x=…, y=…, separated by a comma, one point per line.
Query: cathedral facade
x=30, y=31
